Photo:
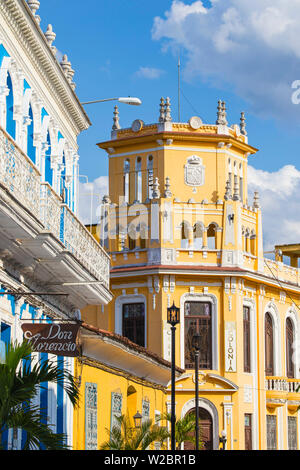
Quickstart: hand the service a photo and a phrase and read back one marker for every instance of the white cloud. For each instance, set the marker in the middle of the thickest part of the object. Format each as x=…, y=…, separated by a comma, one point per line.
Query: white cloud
x=250, y=44
x=279, y=194
x=150, y=73
x=90, y=197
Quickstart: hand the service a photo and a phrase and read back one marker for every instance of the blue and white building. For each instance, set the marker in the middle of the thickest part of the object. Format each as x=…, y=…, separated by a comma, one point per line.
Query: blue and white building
x=44, y=248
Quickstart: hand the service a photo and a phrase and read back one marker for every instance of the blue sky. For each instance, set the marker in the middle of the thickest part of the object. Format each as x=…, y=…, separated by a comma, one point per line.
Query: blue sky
x=242, y=51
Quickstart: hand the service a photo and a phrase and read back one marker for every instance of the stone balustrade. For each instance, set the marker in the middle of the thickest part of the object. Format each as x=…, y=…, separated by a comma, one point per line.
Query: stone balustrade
x=282, y=384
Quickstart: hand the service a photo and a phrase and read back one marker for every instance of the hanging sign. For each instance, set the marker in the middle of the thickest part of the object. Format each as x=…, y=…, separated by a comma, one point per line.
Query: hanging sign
x=230, y=346
x=53, y=338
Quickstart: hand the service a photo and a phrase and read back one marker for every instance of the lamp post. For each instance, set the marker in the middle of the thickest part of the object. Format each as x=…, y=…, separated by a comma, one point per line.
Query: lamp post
x=173, y=319
x=127, y=100
x=137, y=420
x=223, y=439
x=196, y=345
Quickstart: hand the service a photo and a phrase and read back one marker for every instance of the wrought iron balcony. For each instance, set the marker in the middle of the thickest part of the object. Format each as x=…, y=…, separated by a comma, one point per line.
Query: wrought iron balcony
x=41, y=213
x=78, y=240
x=18, y=175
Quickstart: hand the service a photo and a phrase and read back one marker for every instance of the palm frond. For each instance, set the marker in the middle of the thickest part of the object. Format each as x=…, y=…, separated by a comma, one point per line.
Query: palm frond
x=125, y=437
x=20, y=379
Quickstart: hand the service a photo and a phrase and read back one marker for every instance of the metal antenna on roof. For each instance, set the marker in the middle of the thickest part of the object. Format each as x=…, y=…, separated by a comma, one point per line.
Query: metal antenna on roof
x=179, y=86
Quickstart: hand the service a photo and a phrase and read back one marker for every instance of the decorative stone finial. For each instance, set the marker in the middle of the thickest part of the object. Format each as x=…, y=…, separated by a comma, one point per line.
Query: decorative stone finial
x=219, y=113
x=227, y=191
x=155, y=190
x=116, y=124
x=50, y=37
x=67, y=69
x=167, y=188
x=168, y=117
x=34, y=5
x=224, y=119
x=65, y=64
x=236, y=196
x=162, y=110
x=243, y=124
x=256, y=201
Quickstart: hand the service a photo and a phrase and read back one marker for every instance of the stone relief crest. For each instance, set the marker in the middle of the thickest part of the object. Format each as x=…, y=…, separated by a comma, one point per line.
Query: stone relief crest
x=194, y=171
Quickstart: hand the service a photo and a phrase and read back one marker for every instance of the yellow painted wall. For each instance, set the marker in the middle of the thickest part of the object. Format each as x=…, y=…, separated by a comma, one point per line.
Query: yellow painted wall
x=109, y=381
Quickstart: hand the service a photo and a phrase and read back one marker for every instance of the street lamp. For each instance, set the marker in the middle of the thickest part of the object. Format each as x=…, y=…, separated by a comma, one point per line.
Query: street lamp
x=196, y=345
x=127, y=100
x=173, y=319
x=223, y=439
x=137, y=420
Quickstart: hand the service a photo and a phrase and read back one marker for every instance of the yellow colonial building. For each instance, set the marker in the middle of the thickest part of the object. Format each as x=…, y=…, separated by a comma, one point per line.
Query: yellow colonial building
x=116, y=377
x=179, y=226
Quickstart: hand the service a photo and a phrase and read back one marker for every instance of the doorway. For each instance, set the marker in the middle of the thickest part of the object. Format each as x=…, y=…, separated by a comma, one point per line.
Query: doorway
x=205, y=431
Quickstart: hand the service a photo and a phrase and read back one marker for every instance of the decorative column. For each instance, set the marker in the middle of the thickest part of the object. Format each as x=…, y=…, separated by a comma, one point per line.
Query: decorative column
x=4, y=92
x=18, y=335
x=205, y=239
x=228, y=422
x=162, y=110
x=218, y=235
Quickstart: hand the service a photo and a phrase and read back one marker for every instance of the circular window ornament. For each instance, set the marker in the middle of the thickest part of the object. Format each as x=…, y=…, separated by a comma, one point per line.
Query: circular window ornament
x=137, y=125
x=195, y=122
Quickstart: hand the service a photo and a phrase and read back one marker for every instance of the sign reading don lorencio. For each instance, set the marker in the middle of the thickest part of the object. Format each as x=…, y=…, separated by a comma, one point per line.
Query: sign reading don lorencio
x=55, y=338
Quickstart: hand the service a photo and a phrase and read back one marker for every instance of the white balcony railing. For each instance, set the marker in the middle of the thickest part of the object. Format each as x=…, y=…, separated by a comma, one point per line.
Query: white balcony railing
x=276, y=384
x=20, y=177
x=50, y=209
x=281, y=384
x=78, y=240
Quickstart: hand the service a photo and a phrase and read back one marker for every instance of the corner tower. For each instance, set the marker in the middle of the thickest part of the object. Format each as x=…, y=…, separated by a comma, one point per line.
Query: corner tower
x=178, y=193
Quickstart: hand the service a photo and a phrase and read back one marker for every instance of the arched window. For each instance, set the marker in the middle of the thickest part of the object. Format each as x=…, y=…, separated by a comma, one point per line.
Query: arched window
x=252, y=242
x=48, y=169
x=132, y=236
x=290, y=370
x=198, y=319
x=184, y=235
x=144, y=235
x=10, y=122
x=138, y=179
x=131, y=402
x=247, y=241
x=198, y=236
x=149, y=177
x=211, y=237
x=126, y=180
x=269, y=345
x=30, y=129
x=241, y=182
x=246, y=328
x=133, y=322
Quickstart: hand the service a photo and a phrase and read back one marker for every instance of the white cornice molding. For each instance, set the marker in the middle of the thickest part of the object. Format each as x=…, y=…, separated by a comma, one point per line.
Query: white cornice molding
x=20, y=21
x=245, y=274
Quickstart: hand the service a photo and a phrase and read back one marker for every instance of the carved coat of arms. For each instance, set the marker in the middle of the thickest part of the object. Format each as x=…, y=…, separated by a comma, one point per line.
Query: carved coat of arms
x=194, y=171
